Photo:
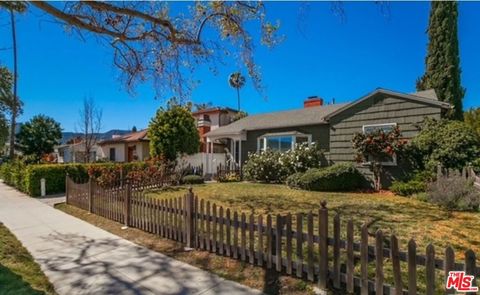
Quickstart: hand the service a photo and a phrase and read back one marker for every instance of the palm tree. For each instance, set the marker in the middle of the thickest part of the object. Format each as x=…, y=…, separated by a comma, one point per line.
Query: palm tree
x=14, y=7
x=237, y=81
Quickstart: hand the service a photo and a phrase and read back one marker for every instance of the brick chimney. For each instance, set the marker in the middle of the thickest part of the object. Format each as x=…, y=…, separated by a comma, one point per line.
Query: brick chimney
x=313, y=101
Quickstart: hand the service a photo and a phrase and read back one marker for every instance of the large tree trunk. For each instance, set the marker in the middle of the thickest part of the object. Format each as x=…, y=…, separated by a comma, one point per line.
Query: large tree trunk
x=14, y=102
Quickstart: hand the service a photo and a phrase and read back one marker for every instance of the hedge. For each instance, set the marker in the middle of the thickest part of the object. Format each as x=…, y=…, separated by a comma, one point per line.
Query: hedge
x=26, y=178
x=338, y=177
x=192, y=179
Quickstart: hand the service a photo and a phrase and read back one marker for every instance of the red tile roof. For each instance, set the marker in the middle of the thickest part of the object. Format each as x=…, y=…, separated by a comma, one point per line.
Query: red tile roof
x=130, y=137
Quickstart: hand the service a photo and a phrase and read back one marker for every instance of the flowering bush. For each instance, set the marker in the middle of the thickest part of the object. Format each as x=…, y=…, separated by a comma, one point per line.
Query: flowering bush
x=302, y=158
x=229, y=177
x=146, y=172
x=274, y=166
x=377, y=147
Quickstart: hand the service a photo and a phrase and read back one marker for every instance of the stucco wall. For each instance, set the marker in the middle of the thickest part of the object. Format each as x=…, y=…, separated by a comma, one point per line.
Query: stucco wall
x=119, y=151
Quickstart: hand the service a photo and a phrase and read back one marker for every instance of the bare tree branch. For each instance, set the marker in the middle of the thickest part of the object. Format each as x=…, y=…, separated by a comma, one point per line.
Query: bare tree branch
x=150, y=43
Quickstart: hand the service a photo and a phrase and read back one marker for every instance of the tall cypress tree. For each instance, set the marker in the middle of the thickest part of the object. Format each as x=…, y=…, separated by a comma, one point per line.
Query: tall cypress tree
x=443, y=62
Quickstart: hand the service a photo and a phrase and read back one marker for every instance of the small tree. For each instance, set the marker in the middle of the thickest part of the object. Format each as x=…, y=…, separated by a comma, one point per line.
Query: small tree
x=375, y=148
x=38, y=136
x=173, y=132
x=90, y=124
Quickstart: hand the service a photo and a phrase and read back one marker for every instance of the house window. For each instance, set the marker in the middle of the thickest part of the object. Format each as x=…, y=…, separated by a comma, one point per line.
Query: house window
x=281, y=141
x=112, y=154
x=387, y=127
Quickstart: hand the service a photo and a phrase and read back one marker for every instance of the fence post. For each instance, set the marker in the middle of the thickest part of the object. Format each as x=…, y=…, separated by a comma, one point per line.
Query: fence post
x=90, y=195
x=190, y=219
x=66, y=187
x=127, y=204
x=323, y=246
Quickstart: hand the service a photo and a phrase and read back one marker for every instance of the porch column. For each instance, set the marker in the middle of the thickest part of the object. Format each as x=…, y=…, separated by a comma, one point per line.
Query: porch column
x=211, y=157
x=232, y=152
x=207, y=157
x=240, y=153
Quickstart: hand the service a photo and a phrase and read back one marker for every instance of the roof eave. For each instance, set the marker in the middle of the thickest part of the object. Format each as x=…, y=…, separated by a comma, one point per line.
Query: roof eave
x=381, y=91
x=263, y=128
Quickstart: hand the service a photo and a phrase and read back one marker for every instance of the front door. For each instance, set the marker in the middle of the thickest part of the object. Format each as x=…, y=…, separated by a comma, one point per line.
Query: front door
x=131, y=153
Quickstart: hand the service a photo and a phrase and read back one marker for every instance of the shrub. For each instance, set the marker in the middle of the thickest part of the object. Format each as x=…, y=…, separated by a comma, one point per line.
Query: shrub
x=454, y=193
x=408, y=188
x=192, y=179
x=453, y=144
x=293, y=180
x=475, y=164
x=54, y=175
x=413, y=185
x=13, y=174
x=274, y=166
x=338, y=177
x=265, y=167
x=26, y=178
x=229, y=177
x=303, y=157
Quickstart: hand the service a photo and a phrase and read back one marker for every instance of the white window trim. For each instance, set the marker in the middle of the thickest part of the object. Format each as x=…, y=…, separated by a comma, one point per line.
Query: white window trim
x=378, y=125
x=394, y=157
x=293, y=134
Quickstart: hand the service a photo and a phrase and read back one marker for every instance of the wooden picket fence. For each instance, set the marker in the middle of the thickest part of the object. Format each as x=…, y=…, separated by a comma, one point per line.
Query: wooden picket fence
x=302, y=245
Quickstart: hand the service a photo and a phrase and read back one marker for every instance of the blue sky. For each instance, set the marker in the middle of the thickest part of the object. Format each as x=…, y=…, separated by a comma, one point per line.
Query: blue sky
x=328, y=57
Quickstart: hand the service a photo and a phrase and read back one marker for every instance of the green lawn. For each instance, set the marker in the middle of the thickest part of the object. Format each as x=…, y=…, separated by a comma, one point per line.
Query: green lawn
x=405, y=217
x=19, y=274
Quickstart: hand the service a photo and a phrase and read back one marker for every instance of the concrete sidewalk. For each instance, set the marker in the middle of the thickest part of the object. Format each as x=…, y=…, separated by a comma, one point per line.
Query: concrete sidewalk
x=80, y=258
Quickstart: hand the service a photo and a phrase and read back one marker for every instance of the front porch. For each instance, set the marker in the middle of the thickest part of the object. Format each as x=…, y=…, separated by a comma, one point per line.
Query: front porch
x=232, y=150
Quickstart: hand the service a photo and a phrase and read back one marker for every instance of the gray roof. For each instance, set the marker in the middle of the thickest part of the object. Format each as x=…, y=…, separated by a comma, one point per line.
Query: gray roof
x=299, y=117
x=315, y=115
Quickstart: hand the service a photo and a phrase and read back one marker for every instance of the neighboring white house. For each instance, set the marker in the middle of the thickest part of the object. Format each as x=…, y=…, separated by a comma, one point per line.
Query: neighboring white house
x=134, y=146
x=75, y=153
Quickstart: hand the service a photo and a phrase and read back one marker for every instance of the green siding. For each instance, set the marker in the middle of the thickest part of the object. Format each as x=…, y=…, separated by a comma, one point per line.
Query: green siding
x=335, y=138
x=377, y=110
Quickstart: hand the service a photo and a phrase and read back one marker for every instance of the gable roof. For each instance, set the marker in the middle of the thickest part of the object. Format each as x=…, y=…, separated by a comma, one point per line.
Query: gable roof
x=299, y=117
x=318, y=114
x=427, y=97
x=130, y=137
